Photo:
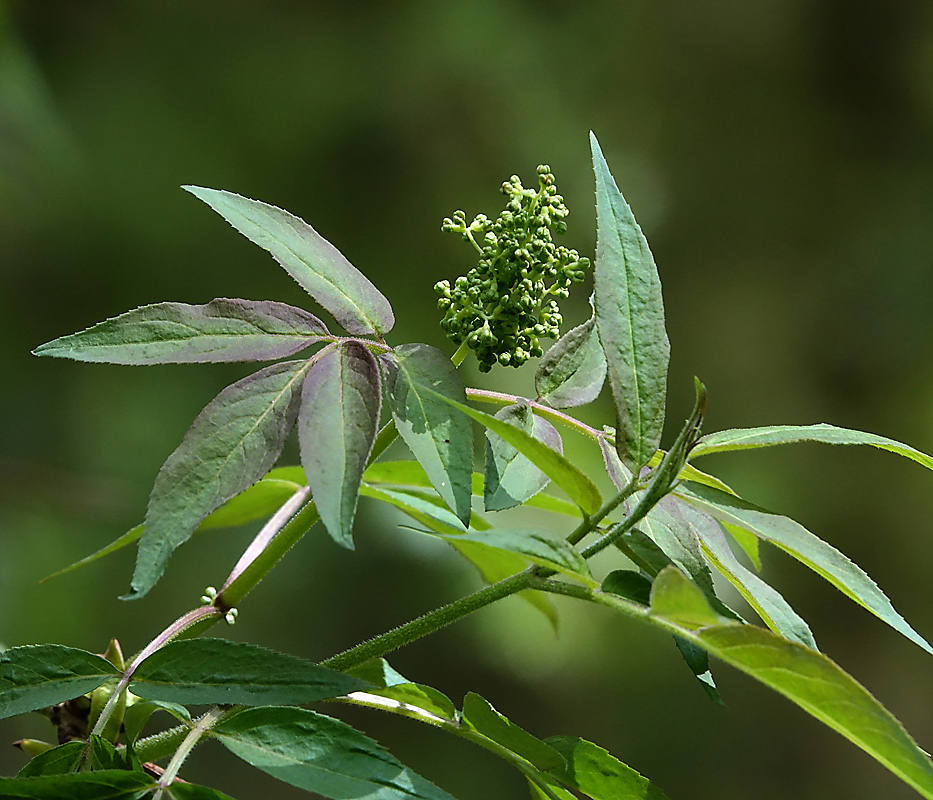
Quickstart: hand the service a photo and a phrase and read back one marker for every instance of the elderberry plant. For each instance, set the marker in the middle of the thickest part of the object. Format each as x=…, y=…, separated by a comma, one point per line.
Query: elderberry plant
x=669, y=525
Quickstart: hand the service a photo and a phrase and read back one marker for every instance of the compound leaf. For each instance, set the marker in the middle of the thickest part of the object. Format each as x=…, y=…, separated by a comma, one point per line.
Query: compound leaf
x=793, y=538
x=178, y=333
x=511, y=478
x=232, y=443
x=321, y=754
x=630, y=320
x=38, y=676
x=421, y=381
x=318, y=267
x=219, y=671
x=340, y=407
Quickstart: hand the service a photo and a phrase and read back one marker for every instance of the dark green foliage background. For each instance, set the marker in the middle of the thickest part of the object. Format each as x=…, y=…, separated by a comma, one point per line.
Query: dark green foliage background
x=778, y=155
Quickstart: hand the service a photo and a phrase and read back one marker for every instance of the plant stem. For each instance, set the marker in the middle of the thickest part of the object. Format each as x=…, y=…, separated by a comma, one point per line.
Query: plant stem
x=238, y=587
x=171, y=632
x=462, y=351
x=502, y=399
x=204, y=724
x=428, y=623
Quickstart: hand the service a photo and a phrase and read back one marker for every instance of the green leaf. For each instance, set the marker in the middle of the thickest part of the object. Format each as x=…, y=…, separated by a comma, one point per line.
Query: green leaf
x=218, y=671
x=41, y=675
x=617, y=471
x=773, y=609
x=628, y=584
x=494, y=565
x=258, y=501
x=805, y=676
x=58, y=761
x=411, y=473
x=337, y=424
x=482, y=717
x=677, y=540
x=318, y=267
x=399, y=691
x=511, y=479
x=321, y=754
x=753, y=438
x=232, y=443
x=138, y=713
x=564, y=473
x=178, y=333
x=190, y=791
x=599, y=775
x=675, y=597
x=573, y=370
x=630, y=320
x=697, y=659
x=105, y=785
x=420, y=381
x=535, y=545
x=793, y=538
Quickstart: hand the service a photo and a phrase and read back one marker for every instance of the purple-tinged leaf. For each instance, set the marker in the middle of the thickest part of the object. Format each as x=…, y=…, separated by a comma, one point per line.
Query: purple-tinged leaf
x=418, y=377
x=511, y=478
x=232, y=443
x=337, y=424
x=630, y=319
x=573, y=370
x=617, y=471
x=177, y=333
x=318, y=267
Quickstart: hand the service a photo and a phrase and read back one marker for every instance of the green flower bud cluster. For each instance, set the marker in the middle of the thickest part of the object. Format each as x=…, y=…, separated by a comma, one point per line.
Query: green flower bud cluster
x=502, y=307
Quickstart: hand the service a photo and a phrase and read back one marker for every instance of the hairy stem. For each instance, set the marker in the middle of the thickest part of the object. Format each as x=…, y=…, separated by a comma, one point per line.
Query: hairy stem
x=503, y=399
x=204, y=724
x=428, y=623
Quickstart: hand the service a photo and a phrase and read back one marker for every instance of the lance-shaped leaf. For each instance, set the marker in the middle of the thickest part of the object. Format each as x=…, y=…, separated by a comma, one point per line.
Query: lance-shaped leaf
x=572, y=372
x=38, y=676
x=400, y=694
x=511, y=479
x=318, y=267
x=182, y=790
x=256, y=502
x=483, y=718
x=218, y=671
x=591, y=770
x=753, y=438
x=411, y=473
x=340, y=407
x=537, y=546
x=493, y=563
x=177, y=333
x=803, y=675
x=630, y=320
x=112, y=784
x=563, y=472
x=420, y=379
x=321, y=754
x=767, y=602
x=790, y=536
x=232, y=443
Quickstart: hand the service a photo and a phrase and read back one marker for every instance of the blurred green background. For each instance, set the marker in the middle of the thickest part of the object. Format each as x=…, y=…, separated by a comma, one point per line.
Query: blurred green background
x=777, y=153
